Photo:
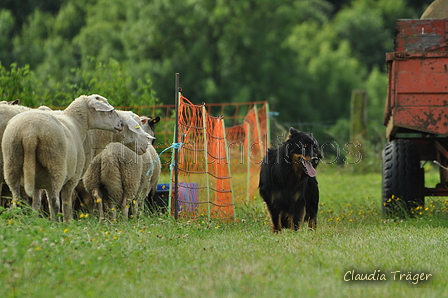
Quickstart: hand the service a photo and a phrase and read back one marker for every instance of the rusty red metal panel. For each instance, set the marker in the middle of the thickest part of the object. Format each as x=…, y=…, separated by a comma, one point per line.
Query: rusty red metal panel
x=422, y=75
x=419, y=35
x=424, y=119
x=416, y=100
x=417, y=96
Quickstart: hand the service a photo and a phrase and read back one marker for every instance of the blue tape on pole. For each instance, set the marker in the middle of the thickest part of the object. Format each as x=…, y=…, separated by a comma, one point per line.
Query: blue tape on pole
x=173, y=145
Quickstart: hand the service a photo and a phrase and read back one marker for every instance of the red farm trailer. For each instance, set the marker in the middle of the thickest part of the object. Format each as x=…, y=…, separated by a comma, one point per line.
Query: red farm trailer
x=416, y=117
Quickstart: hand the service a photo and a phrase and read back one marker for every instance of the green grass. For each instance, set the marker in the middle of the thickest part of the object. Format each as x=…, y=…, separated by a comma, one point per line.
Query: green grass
x=159, y=257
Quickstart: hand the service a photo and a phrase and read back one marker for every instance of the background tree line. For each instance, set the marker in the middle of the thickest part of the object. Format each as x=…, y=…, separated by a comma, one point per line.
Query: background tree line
x=303, y=56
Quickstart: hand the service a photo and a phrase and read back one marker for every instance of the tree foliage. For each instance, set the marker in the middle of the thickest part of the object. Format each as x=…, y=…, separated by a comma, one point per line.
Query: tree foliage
x=304, y=56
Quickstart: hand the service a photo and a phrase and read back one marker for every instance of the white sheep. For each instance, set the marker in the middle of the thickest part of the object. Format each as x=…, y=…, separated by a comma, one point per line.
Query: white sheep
x=156, y=168
x=133, y=136
x=117, y=177
x=153, y=172
x=113, y=179
x=7, y=111
x=44, y=150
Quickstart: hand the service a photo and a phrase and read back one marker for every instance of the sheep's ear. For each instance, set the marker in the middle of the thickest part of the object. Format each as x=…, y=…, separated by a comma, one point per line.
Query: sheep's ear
x=14, y=102
x=100, y=103
x=155, y=120
x=134, y=126
x=144, y=120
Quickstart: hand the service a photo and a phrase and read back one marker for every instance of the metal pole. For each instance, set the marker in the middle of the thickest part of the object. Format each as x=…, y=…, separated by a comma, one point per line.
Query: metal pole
x=204, y=131
x=176, y=150
x=257, y=122
x=228, y=166
x=248, y=162
x=268, y=127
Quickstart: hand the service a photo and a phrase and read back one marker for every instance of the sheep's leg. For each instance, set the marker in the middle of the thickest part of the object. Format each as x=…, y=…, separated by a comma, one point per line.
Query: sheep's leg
x=111, y=210
x=85, y=198
x=54, y=204
x=15, y=190
x=133, y=208
x=37, y=200
x=97, y=197
x=137, y=207
x=140, y=205
x=67, y=204
x=125, y=208
x=2, y=201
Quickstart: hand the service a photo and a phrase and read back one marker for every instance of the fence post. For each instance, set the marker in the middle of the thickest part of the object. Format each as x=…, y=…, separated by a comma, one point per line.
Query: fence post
x=257, y=121
x=358, y=115
x=268, y=127
x=228, y=165
x=175, y=155
x=207, y=178
x=248, y=163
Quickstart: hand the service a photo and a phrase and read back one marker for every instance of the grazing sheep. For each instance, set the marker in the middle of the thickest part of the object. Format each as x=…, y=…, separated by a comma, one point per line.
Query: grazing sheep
x=113, y=178
x=133, y=137
x=117, y=177
x=44, y=150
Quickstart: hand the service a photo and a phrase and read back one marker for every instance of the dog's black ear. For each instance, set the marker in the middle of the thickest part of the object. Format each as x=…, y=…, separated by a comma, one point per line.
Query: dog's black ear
x=293, y=131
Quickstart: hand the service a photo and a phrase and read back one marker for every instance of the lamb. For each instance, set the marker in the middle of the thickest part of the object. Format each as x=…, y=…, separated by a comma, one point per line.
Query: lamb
x=117, y=176
x=44, y=150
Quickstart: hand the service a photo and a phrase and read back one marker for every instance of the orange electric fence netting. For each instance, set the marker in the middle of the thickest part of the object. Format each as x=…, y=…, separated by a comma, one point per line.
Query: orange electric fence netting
x=218, y=166
x=247, y=145
x=204, y=177
x=247, y=120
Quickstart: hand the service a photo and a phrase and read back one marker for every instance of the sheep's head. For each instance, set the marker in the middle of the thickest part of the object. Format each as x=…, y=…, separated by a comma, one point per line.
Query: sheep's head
x=133, y=135
x=148, y=125
x=103, y=115
x=13, y=102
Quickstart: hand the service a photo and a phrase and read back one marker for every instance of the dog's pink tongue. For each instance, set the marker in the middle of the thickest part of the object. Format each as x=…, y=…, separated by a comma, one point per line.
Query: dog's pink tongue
x=309, y=168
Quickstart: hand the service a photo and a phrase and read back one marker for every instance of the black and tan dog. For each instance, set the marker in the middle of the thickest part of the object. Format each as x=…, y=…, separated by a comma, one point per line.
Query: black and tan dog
x=288, y=182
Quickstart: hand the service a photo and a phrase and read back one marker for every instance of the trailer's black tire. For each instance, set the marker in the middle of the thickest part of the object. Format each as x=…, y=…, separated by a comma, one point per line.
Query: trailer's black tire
x=402, y=179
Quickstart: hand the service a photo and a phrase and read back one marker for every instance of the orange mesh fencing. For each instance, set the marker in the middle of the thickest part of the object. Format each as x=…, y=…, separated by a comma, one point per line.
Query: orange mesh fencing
x=248, y=143
x=217, y=166
x=204, y=179
x=238, y=153
x=239, y=115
